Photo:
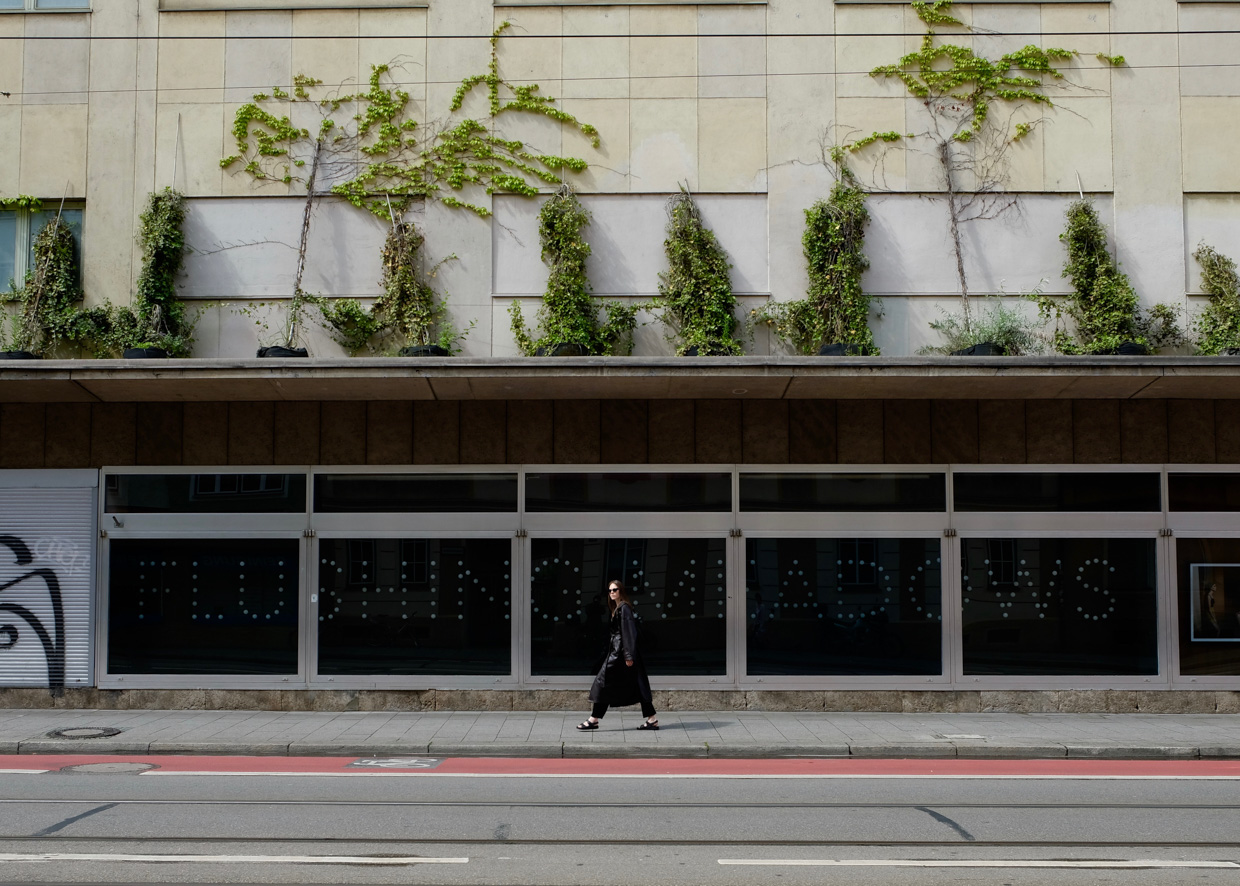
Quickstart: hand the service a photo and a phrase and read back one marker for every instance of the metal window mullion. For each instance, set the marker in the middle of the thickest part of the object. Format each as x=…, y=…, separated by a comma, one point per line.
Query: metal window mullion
x=309, y=589
x=953, y=611
x=519, y=595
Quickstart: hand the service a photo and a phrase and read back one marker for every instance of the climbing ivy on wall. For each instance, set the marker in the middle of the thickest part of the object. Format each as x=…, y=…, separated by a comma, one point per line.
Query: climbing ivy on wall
x=695, y=296
x=47, y=312
x=1218, y=326
x=378, y=152
x=569, y=315
x=1103, y=304
x=836, y=308
x=959, y=90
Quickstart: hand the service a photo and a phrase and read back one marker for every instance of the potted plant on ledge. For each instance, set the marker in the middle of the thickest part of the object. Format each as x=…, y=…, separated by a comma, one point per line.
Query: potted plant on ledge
x=46, y=312
x=568, y=318
x=695, y=296
x=833, y=319
x=1218, y=325
x=1103, y=304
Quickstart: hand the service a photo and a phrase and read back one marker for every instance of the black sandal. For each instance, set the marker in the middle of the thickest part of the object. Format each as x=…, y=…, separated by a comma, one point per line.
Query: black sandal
x=646, y=724
x=587, y=724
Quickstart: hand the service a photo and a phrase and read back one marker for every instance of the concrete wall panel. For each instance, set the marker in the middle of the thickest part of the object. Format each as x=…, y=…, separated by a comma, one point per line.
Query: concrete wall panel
x=389, y=432
x=159, y=433
x=205, y=440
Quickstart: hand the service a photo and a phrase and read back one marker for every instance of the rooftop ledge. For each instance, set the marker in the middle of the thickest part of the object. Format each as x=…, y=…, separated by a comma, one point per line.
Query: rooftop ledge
x=579, y=378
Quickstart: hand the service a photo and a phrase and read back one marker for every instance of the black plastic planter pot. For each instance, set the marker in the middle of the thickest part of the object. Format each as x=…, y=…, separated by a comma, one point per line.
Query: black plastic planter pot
x=842, y=349
x=695, y=351
x=277, y=351
x=981, y=349
x=144, y=353
x=1127, y=349
x=1231, y=352
x=424, y=351
x=18, y=355
x=563, y=349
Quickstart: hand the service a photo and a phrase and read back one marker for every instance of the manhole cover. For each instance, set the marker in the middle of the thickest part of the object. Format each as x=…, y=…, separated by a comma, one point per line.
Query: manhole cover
x=84, y=732
x=117, y=768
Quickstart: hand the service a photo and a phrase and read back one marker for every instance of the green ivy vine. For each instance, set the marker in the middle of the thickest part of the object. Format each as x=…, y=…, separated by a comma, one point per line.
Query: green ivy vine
x=403, y=161
x=408, y=313
x=21, y=201
x=47, y=314
x=836, y=308
x=695, y=297
x=1103, y=305
x=951, y=71
x=1218, y=325
x=569, y=315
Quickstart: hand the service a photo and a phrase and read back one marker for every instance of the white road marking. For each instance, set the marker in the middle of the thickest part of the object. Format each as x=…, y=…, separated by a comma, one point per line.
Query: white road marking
x=228, y=859
x=663, y=775
x=23, y=771
x=977, y=863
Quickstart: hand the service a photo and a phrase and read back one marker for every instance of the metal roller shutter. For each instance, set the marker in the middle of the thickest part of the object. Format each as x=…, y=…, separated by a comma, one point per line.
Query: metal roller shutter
x=47, y=579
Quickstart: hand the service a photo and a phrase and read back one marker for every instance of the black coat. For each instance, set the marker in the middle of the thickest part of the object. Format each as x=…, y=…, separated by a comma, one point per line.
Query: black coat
x=617, y=684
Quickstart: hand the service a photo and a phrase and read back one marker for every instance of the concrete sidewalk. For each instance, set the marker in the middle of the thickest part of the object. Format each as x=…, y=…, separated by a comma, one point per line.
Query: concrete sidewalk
x=687, y=734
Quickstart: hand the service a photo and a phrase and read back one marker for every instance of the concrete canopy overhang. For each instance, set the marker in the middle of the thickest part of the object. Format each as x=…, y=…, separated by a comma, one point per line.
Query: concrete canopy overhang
x=573, y=378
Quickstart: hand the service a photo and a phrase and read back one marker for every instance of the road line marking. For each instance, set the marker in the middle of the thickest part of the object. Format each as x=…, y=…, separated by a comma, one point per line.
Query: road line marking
x=229, y=859
x=23, y=771
x=977, y=863
x=422, y=773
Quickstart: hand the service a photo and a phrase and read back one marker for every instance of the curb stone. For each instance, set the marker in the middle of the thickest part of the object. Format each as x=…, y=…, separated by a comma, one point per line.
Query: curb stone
x=1132, y=752
x=221, y=748
x=378, y=749
x=495, y=749
x=1012, y=752
x=734, y=751
x=601, y=749
x=917, y=751
x=82, y=746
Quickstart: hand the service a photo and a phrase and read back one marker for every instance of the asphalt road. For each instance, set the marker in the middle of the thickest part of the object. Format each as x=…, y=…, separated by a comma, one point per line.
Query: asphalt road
x=116, y=827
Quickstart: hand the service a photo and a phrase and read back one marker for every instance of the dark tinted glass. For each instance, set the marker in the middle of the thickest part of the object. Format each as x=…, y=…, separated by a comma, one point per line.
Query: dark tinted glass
x=843, y=606
x=202, y=606
x=415, y=493
x=415, y=606
x=628, y=492
x=1059, y=606
x=1057, y=492
x=1208, y=600
x=678, y=589
x=1204, y=492
x=843, y=492
x=206, y=494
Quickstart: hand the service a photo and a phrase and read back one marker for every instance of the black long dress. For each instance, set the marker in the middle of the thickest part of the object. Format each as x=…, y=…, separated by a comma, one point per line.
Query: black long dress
x=617, y=684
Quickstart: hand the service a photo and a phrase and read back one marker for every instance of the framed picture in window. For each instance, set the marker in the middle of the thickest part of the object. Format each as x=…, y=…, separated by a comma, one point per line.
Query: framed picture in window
x=1215, y=602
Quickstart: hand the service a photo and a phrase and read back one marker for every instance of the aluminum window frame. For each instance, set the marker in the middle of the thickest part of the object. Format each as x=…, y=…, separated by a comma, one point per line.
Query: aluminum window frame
x=649, y=524
x=109, y=680
x=1192, y=524
x=844, y=524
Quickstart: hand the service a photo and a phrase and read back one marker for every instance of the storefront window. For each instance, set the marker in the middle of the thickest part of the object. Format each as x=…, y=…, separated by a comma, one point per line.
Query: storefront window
x=679, y=591
x=415, y=606
x=203, y=606
x=561, y=492
x=205, y=494
x=836, y=606
x=415, y=493
x=1208, y=600
x=783, y=492
x=1042, y=606
x=1050, y=491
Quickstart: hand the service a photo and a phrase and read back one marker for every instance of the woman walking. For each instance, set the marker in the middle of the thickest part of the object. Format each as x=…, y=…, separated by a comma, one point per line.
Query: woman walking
x=622, y=679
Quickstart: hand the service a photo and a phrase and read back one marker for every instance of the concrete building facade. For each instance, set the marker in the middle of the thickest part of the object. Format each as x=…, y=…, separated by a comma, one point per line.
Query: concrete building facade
x=884, y=532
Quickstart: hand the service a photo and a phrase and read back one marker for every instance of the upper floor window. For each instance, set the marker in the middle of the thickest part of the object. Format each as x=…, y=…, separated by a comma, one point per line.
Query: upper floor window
x=37, y=5
x=18, y=228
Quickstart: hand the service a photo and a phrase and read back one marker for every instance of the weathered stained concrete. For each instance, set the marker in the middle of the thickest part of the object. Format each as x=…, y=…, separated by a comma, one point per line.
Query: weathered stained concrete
x=1049, y=701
